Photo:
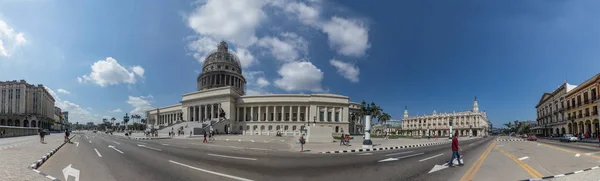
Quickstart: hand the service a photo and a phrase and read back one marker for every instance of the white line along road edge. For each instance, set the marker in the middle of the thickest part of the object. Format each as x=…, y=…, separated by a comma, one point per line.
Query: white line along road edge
x=99, y=155
x=523, y=158
x=111, y=146
x=212, y=172
x=234, y=157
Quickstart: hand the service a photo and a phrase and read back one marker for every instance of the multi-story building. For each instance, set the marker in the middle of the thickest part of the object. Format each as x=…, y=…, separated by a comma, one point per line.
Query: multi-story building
x=551, y=111
x=582, y=107
x=220, y=101
x=471, y=122
x=25, y=105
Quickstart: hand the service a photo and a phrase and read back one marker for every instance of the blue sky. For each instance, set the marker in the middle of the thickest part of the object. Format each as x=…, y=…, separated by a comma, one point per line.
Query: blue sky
x=114, y=57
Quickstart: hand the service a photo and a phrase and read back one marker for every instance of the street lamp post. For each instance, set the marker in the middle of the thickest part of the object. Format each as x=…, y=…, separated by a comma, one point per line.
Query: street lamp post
x=450, y=123
x=367, y=143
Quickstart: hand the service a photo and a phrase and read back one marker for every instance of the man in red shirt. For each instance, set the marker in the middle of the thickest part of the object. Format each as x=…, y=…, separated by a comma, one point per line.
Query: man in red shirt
x=455, y=149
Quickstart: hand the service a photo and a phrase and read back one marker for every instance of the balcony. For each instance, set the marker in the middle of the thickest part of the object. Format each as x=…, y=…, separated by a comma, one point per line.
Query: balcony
x=579, y=116
x=587, y=114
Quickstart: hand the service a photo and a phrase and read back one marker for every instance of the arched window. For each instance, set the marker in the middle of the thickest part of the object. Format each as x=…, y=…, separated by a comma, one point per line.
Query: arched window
x=278, y=127
x=247, y=127
x=241, y=128
x=293, y=128
x=337, y=129
x=285, y=128
x=270, y=127
x=262, y=127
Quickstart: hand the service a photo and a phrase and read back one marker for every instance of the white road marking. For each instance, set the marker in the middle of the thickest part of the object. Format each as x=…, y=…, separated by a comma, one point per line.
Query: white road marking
x=77, y=143
x=87, y=137
x=523, y=158
x=252, y=141
x=165, y=144
x=99, y=155
x=431, y=157
x=141, y=143
x=399, y=153
x=90, y=141
x=591, y=153
x=111, y=146
x=470, y=144
x=240, y=140
x=577, y=155
x=363, y=154
x=234, y=157
x=211, y=172
x=117, y=143
x=394, y=159
x=150, y=147
x=226, y=139
x=231, y=146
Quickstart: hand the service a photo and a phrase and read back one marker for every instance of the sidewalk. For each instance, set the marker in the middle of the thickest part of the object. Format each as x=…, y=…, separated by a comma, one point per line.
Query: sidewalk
x=23, y=151
x=377, y=143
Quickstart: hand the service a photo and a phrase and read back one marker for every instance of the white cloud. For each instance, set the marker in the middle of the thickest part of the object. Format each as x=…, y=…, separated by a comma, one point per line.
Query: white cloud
x=349, y=37
x=246, y=58
x=289, y=48
x=261, y=82
x=252, y=92
x=233, y=20
x=202, y=47
x=140, y=104
x=138, y=70
x=63, y=91
x=9, y=39
x=76, y=112
x=116, y=111
x=308, y=15
x=110, y=72
x=299, y=76
x=348, y=70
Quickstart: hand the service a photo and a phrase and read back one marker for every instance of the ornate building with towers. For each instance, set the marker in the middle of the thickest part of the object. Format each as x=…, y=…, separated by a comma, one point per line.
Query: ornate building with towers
x=220, y=102
x=466, y=123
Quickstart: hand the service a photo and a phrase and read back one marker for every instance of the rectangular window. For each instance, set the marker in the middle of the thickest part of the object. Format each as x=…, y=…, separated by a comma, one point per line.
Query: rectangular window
x=287, y=116
x=594, y=94
x=321, y=116
x=301, y=116
x=18, y=100
x=272, y=115
x=279, y=116
x=295, y=116
x=329, y=116
x=337, y=116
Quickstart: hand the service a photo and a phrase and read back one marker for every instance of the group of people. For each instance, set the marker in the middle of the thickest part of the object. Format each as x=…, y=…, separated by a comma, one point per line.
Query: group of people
x=345, y=139
x=210, y=134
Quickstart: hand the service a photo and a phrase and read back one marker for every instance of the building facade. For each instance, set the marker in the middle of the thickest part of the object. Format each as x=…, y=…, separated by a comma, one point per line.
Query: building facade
x=221, y=101
x=467, y=123
x=552, y=111
x=25, y=105
x=582, y=107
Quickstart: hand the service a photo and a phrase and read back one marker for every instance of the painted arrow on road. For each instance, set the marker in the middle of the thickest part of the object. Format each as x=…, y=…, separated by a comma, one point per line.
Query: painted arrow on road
x=113, y=147
x=70, y=171
x=77, y=144
x=444, y=166
x=395, y=159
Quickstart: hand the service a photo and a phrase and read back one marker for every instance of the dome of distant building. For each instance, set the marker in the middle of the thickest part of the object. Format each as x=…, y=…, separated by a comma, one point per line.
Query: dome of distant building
x=222, y=68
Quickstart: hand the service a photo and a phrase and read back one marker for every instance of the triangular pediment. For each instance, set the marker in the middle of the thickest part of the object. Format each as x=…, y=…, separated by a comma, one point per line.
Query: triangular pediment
x=544, y=97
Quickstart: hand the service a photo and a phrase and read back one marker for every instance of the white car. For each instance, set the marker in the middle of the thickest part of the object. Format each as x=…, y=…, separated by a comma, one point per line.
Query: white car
x=569, y=138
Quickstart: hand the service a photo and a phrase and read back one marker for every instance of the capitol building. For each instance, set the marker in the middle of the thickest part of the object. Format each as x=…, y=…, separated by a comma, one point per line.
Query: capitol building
x=467, y=123
x=220, y=101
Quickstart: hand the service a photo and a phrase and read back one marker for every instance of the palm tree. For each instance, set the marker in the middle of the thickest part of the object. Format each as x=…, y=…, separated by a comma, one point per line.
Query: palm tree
x=376, y=111
x=509, y=126
x=113, y=121
x=384, y=118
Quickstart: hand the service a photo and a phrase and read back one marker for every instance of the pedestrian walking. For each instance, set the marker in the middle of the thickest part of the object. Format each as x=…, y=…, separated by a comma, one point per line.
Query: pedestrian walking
x=302, y=142
x=436, y=136
x=42, y=134
x=205, y=134
x=598, y=140
x=342, y=139
x=455, y=149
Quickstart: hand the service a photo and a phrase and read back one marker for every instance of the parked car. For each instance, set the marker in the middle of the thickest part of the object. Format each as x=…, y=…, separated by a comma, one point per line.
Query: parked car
x=532, y=138
x=524, y=136
x=569, y=138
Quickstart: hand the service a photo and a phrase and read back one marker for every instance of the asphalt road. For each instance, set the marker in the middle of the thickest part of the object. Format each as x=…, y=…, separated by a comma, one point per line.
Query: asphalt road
x=103, y=157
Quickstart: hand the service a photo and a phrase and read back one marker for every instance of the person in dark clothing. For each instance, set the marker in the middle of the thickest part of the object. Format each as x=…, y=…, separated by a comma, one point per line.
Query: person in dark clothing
x=42, y=134
x=455, y=149
x=67, y=134
x=205, y=134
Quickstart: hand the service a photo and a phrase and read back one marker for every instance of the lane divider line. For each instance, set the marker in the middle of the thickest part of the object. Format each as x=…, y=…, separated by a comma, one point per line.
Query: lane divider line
x=234, y=157
x=534, y=173
x=473, y=169
x=99, y=155
x=431, y=157
x=211, y=172
x=523, y=158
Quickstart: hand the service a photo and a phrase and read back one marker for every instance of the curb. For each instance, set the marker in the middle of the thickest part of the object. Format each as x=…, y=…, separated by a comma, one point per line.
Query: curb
x=562, y=175
x=44, y=158
x=511, y=140
x=150, y=138
x=388, y=148
x=45, y=175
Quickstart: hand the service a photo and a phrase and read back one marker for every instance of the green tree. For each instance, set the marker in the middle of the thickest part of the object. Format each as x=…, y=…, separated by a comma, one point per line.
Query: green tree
x=384, y=118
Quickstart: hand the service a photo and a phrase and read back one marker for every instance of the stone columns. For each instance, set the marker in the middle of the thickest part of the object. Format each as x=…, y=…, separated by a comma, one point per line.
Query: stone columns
x=259, y=114
x=290, y=119
x=251, y=113
x=205, y=113
x=267, y=114
x=298, y=114
x=306, y=114
x=238, y=113
x=282, y=114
